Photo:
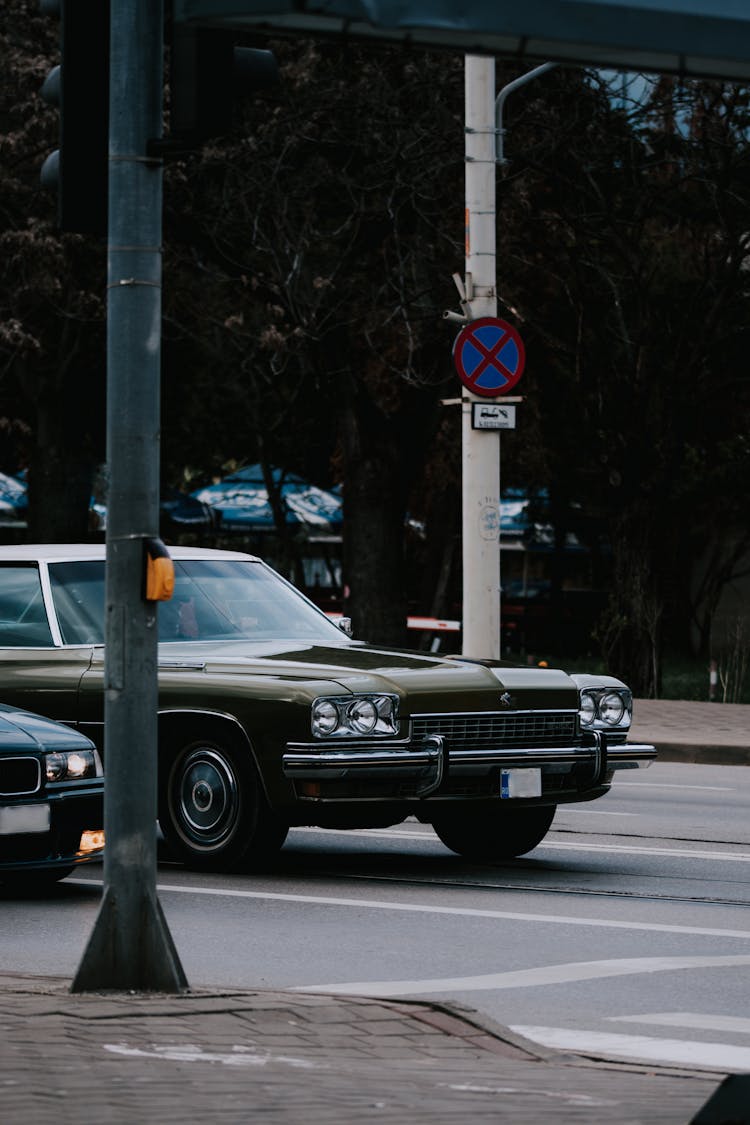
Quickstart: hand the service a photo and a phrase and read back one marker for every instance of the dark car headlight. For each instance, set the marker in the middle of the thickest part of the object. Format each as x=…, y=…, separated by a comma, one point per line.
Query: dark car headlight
x=72, y=765
x=354, y=716
x=605, y=708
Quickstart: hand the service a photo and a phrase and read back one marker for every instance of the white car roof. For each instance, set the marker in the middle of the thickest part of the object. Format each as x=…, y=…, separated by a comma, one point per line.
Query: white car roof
x=67, y=552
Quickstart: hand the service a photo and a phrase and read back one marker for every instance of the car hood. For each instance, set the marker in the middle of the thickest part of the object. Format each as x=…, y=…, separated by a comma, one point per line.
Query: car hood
x=22, y=730
x=429, y=682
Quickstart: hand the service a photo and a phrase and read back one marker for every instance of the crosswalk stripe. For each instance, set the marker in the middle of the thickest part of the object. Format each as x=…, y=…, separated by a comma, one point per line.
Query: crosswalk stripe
x=725, y=1057
x=539, y=976
x=696, y=1021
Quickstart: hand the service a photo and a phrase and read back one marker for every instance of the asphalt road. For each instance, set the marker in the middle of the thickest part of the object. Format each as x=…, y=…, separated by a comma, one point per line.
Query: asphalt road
x=626, y=931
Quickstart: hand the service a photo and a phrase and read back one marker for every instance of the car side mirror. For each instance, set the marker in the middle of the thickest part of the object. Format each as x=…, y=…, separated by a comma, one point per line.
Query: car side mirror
x=345, y=625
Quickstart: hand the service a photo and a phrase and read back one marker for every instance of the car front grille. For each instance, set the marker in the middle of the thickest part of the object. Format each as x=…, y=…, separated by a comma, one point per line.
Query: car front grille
x=496, y=731
x=19, y=776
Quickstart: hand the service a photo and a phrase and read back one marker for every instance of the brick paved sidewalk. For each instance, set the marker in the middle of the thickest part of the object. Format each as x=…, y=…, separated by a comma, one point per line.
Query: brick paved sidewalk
x=691, y=731
x=134, y=1059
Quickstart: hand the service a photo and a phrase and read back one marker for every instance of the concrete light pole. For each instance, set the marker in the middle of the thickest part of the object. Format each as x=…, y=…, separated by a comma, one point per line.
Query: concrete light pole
x=480, y=449
x=482, y=625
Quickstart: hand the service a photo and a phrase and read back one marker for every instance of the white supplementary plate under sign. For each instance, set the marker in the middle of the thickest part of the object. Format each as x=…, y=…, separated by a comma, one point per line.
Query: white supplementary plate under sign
x=492, y=416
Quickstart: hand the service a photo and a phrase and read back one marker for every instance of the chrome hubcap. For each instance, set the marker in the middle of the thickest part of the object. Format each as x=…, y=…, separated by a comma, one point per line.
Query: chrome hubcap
x=207, y=797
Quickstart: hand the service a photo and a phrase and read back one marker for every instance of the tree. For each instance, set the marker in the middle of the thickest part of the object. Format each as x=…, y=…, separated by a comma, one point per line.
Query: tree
x=51, y=300
x=629, y=273
x=326, y=234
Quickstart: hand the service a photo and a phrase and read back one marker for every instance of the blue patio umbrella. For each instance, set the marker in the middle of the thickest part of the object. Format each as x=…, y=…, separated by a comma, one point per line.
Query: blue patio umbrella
x=14, y=500
x=240, y=502
x=514, y=515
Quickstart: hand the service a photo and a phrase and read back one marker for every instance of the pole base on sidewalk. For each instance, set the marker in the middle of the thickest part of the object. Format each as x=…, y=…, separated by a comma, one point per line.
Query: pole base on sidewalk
x=130, y=950
x=728, y=1105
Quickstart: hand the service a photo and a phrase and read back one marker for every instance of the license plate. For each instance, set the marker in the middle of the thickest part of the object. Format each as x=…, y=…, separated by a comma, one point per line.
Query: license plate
x=521, y=783
x=16, y=819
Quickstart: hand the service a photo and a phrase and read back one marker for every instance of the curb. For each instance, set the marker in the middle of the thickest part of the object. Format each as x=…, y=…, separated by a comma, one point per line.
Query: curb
x=542, y=1054
x=711, y=755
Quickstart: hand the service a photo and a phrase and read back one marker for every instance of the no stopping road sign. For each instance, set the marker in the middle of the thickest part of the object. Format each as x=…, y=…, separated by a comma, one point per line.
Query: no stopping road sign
x=489, y=356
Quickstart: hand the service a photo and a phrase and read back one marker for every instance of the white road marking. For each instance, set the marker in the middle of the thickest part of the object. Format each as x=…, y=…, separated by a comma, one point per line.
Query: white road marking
x=697, y=1021
x=670, y=785
x=636, y=849
x=455, y=911
x=594, y=812
x=562, y=845
x=724, y=1057
x=377, y=833
x=542, y=976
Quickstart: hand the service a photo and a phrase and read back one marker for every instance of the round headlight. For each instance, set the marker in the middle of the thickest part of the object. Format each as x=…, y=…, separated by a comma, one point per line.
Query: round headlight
x=80, y=764
x=56, y=766
x=587, y=709
x=612, y=708
x=362, y=716
x=325, y=717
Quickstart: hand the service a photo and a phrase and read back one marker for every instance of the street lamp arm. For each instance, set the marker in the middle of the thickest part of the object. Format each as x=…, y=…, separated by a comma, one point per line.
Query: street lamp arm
x=500, y=102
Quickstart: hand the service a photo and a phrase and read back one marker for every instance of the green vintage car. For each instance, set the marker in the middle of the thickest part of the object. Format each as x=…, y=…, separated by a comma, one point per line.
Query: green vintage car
x=271, y=716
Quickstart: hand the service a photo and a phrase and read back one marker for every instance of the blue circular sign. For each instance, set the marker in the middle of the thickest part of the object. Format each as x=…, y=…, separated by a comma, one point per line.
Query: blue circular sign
x=489, y=356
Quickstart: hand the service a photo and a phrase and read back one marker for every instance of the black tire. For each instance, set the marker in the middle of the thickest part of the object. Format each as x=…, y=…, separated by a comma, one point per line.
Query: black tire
x=212, y=809
x=494, y=832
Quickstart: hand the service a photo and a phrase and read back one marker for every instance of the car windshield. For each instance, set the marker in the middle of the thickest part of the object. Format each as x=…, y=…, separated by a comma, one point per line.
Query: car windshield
x=214, y=600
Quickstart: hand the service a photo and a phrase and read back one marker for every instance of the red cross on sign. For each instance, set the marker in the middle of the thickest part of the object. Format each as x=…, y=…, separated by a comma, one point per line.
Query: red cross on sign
x=489, y=356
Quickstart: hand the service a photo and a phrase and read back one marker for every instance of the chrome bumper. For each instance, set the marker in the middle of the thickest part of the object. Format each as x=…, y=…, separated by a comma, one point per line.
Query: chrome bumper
x=425, y=762
x=429, y=760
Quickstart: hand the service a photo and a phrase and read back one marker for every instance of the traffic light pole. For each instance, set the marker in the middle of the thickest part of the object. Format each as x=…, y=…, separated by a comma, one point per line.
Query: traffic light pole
x=480, y=449
x=130, y=947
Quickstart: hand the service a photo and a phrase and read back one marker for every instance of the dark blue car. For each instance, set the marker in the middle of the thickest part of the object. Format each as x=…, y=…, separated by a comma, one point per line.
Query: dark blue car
x=51, y=799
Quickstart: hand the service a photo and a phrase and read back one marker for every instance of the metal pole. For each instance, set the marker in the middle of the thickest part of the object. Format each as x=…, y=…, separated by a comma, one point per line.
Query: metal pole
x=130, y=947
x=480, y=449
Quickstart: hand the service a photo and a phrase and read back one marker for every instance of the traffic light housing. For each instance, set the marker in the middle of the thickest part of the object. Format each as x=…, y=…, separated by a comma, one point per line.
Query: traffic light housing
x=79, y=87
x=207, y=75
